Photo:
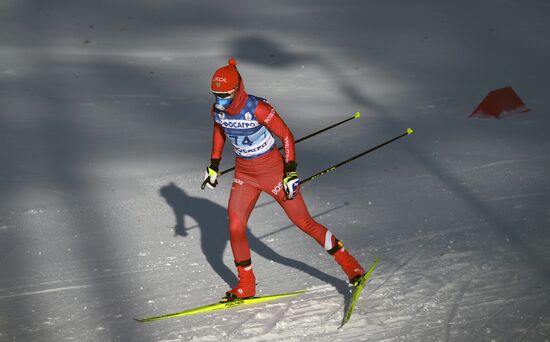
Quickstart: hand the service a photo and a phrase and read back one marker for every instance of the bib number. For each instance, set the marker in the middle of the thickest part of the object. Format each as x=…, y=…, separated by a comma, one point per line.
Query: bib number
x=244, y=141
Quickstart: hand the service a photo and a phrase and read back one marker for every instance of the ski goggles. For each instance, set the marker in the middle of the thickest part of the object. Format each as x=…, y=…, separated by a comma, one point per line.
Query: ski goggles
x=225, y=94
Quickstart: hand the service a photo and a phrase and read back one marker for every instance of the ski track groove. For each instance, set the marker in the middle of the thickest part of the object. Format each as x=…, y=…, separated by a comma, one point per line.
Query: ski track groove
x=430, y=236
x=337, y=308
x=486, y=322
x=401, y=265
x=529, y=324
x=235, y=328
x=88, y=280
x=452, y=313
x=333, y=295
x=499, y=163
x=410, y=327
x=272, y=322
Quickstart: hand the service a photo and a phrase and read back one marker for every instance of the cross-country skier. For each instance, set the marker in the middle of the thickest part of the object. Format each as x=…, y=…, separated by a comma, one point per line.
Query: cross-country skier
x=249, y=122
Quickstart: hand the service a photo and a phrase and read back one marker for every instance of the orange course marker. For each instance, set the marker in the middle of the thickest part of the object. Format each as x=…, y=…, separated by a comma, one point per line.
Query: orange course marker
x=500, y=103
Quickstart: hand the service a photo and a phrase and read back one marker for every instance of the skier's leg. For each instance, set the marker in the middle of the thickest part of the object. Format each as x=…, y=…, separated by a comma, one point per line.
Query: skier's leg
x=271, y=182
x=297, y=212
x=242, y=199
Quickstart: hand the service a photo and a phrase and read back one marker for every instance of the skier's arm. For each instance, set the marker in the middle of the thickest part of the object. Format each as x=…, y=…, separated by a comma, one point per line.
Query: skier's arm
x=211, y=174
x=218, y=141
x=268, y=117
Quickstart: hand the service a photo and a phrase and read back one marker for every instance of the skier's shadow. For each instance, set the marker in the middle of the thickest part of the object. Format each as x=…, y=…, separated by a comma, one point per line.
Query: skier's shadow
x=213, y=224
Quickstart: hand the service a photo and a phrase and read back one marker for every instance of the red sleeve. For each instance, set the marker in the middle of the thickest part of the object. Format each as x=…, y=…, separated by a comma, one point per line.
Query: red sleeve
x=218, y=140
x=268, y=117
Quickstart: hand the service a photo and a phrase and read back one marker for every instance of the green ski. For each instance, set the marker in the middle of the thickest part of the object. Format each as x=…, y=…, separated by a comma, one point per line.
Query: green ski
x=221, y=306
x=357, y=291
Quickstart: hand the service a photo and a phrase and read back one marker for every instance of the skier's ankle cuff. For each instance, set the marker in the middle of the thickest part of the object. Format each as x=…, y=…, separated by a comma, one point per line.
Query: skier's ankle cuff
x=336, y=247
x=243, y=263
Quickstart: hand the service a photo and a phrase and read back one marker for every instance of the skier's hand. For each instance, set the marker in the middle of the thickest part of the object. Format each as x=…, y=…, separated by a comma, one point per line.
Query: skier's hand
x=211, y=174
x=291, y=180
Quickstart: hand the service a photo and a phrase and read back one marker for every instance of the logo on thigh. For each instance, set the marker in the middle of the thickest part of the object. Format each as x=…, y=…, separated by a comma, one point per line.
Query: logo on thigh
x=277, y=188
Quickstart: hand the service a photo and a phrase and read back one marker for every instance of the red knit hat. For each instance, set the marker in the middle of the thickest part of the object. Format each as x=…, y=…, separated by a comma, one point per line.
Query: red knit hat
x=226, y=78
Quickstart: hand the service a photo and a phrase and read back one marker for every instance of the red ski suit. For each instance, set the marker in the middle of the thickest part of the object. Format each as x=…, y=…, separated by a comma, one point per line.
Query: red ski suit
x=261, y=173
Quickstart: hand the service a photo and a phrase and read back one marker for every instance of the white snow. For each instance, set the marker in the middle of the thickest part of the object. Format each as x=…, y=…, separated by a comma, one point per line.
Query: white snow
x=105, y=132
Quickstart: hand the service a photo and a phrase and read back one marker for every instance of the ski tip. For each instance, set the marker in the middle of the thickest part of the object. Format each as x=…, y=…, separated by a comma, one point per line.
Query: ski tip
x=409, y=131
x=357, y=115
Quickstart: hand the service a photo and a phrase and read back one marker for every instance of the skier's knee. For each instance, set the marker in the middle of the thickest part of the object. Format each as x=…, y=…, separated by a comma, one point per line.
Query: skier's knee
x=237, y=228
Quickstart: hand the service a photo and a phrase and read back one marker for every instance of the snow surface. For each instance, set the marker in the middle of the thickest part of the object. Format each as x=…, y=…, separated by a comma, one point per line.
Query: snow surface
x=105, y=133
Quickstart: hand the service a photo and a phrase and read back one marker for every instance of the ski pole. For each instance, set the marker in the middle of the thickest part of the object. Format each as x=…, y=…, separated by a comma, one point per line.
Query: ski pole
x=334, y=167
x=356, y=116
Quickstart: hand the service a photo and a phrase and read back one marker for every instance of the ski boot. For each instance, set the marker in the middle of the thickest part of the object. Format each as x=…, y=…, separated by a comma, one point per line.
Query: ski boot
x=349, y=265
x=246, y=287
